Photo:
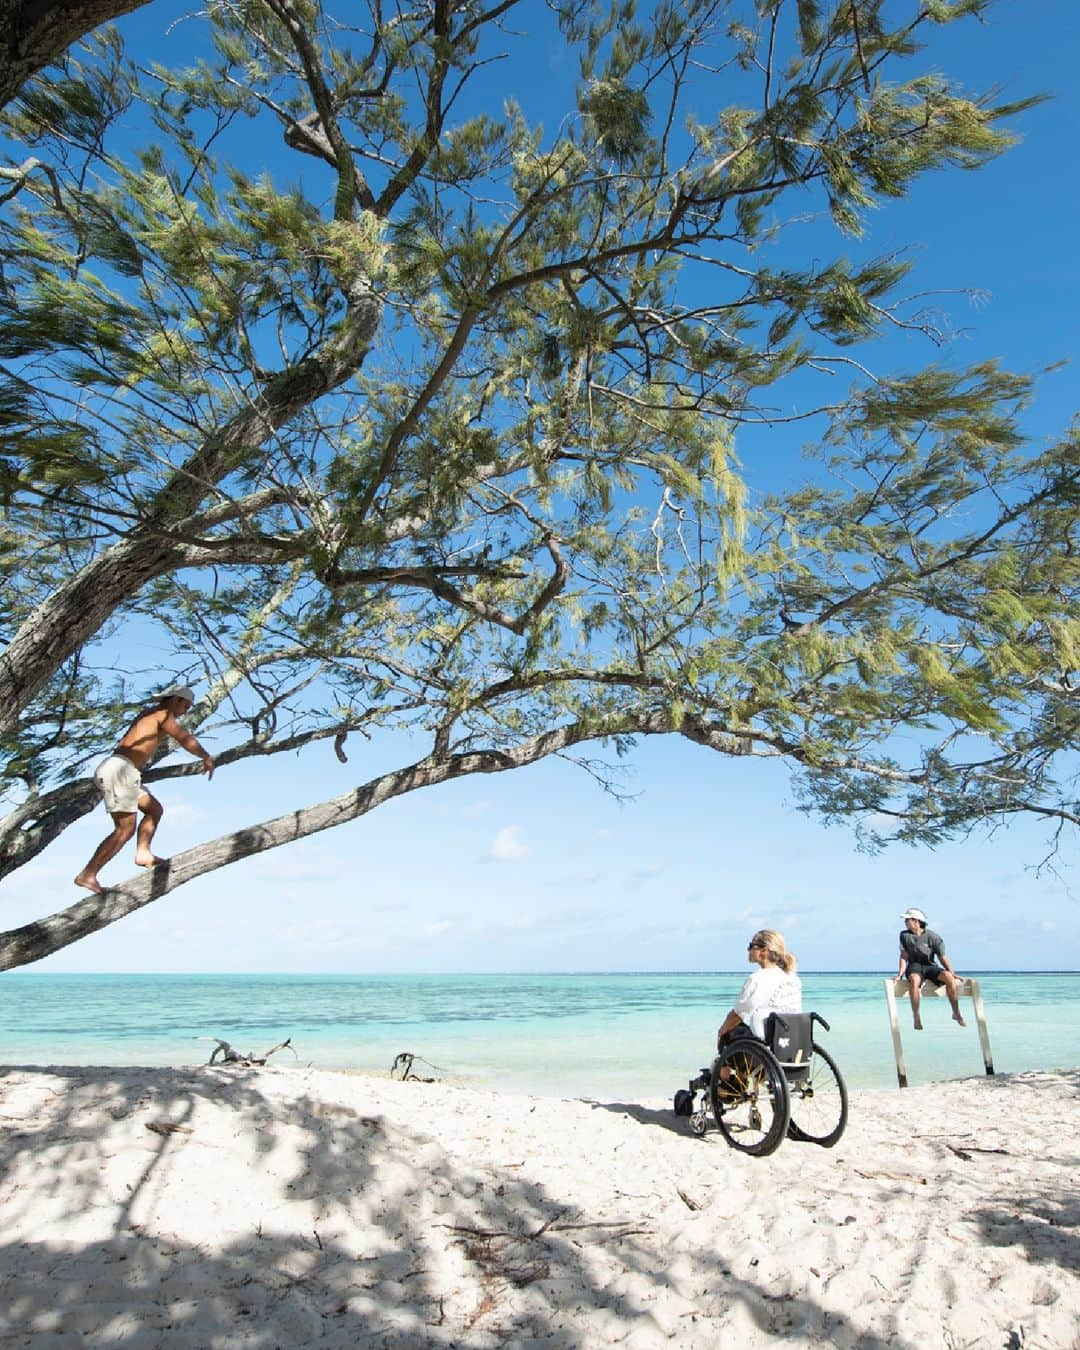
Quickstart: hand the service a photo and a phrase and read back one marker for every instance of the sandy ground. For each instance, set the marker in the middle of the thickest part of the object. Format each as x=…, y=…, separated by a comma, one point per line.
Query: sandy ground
x=299, y=1207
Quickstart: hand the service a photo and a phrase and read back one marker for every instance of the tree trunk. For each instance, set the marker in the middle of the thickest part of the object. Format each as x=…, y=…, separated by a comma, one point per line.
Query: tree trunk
x=73, y=801
x=71, y=615
x=34, y=33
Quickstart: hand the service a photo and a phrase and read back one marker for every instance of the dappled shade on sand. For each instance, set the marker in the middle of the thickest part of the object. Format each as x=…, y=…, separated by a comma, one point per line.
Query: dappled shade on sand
x=223, y=1206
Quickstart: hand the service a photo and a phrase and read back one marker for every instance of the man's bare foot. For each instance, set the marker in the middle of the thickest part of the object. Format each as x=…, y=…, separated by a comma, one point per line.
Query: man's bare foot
x=959, y=1017
x=149, y=860
x=918, y=1024
x=90, y=883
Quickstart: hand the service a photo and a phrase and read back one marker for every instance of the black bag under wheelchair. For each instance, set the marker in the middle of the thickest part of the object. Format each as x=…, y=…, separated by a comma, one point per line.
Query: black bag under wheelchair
x=758, y=1093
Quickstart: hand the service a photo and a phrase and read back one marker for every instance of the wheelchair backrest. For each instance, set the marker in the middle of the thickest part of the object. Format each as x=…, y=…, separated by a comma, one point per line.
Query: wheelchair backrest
x=790, y=1036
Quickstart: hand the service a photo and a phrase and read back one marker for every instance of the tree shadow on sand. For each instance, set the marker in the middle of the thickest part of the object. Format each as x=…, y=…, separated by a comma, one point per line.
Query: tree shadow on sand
x=369, y=1234
x=1045, y=1226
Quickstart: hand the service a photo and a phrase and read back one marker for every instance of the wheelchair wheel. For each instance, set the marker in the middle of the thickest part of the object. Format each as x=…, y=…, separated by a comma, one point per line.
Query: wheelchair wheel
x=749, y=1098
x=818, y=1102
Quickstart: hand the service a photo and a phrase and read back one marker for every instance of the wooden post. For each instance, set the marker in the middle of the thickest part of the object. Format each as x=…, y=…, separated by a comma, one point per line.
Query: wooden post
x=894, y=1023
x=895, y=989
x=980, y=1022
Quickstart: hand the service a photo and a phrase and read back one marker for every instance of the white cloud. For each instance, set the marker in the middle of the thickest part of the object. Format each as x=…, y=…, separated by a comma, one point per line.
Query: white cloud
x=573, y=882
x=183, y=811
x=880, y=822
x=434, y=930
x=508, y=845
x=328, y=934
x=640, y=876
x=516, y=923
x=300, y=863
x=475, y=809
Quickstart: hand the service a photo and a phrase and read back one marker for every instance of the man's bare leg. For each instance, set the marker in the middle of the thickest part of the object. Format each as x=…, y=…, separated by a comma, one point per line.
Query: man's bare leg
x=124, y=828
x=152, y=812
x=915, y=994
x=954, y=1001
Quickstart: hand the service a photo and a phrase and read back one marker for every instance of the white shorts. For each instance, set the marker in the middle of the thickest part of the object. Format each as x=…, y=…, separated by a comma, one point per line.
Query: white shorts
x=120, y=783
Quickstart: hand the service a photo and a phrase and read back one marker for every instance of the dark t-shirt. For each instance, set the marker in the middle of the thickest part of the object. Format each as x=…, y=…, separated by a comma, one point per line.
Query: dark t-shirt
x=923, y=948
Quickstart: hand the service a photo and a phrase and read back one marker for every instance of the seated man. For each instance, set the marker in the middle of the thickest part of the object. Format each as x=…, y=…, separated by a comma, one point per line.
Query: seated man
x=920, y=951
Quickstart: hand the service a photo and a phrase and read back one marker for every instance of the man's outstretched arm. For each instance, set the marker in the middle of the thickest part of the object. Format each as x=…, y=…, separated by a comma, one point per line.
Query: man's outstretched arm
x=184, y=738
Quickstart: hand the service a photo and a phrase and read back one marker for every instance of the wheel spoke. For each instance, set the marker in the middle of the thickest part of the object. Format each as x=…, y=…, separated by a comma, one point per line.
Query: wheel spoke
x=750, y=1098
x=819, y=1102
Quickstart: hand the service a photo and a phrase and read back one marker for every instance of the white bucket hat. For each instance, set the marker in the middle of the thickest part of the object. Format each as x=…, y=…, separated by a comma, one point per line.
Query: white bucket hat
x=183, y=691
x=914, y=914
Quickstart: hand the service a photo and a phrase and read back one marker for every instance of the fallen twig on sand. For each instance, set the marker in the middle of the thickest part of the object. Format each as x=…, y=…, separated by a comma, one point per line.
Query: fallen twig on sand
x=620, y=1227
x=231, y=1056
x=405, y=1060
x=968, y=1149
x=888, y=1176
x=490, y=1251
x=547, y=1223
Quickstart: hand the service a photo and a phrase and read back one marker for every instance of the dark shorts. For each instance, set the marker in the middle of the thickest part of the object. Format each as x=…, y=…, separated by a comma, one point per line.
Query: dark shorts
x=742, y=1033
x=927, y=972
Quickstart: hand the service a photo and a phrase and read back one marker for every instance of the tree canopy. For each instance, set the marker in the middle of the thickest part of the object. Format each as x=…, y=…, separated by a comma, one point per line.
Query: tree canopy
x=385, y=406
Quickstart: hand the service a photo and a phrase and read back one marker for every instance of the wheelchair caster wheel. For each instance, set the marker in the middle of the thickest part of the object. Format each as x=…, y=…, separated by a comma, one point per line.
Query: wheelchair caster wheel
x=698, y=1122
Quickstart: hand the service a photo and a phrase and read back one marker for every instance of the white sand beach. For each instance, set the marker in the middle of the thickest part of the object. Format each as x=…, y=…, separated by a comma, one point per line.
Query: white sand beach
x=294, y=1207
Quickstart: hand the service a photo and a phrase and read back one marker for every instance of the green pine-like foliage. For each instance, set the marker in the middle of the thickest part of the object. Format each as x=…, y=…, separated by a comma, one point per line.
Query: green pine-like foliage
x=381, y=407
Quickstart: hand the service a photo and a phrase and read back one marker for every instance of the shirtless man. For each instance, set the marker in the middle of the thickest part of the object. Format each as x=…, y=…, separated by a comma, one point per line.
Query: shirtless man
x=119, y=779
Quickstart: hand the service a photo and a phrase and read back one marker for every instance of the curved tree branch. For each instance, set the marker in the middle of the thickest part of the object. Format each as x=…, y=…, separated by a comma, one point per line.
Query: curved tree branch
x=434, y=579
x=33, y=941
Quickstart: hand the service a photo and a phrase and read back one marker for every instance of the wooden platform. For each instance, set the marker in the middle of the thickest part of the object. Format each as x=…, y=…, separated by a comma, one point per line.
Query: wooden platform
x=895, y=989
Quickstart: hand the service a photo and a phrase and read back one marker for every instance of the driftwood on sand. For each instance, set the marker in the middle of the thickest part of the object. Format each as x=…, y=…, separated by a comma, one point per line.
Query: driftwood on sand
x=231, y=1056
x=402, y=1067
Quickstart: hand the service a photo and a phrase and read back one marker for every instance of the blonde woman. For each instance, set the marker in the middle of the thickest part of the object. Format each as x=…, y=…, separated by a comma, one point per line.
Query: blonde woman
x=773, y=987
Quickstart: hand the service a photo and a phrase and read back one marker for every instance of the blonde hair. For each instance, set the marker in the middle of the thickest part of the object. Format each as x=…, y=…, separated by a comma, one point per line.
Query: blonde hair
x=773, y=942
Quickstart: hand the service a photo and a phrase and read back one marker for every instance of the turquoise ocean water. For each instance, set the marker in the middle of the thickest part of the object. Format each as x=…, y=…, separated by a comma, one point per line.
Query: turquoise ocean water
x=614, y=1037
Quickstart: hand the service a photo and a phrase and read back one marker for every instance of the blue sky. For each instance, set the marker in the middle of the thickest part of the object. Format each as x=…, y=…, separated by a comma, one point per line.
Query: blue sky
x=540, y=870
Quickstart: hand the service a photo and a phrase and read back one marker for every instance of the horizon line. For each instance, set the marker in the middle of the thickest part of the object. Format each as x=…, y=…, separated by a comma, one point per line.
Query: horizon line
x=491, y=974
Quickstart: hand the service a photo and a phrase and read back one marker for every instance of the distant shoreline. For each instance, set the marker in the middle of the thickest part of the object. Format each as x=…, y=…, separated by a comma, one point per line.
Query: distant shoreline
x=967, y=971
x=570, y=1033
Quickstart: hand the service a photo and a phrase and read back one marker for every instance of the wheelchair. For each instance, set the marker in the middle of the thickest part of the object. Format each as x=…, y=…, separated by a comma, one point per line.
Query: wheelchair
x=760, y=1092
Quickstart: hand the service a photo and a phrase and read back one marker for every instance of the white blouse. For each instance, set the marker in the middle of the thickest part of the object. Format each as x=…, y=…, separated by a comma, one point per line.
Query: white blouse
x=767, y=991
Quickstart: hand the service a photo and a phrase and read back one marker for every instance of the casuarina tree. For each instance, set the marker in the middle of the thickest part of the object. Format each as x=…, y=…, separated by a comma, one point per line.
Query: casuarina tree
x=384, y=405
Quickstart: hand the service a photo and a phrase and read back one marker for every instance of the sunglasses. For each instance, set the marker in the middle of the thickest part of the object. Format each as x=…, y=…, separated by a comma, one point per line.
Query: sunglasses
x=755, y=946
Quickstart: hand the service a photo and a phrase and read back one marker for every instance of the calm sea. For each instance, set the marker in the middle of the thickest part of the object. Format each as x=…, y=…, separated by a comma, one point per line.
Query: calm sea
x=610, y=1036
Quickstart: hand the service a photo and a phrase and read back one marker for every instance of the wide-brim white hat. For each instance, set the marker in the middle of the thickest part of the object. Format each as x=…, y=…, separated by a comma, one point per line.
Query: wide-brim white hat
x=183, y=691
x=914, y=914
